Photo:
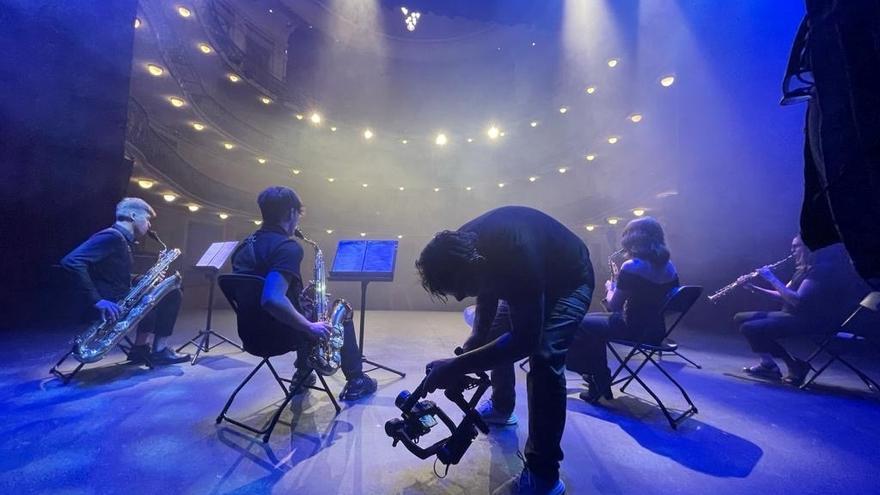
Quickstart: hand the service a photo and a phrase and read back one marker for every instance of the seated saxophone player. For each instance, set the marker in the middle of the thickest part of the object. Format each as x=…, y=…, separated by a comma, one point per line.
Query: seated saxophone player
x=814, y=301
x=101, y=271
x=271, y=253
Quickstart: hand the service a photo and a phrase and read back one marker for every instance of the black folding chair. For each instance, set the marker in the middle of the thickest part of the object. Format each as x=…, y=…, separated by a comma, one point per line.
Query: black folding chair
x=679, y=302
x=243, y=293
x=836, y=344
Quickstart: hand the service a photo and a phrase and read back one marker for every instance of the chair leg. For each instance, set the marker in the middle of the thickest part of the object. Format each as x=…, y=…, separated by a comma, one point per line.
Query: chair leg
x=674, y=382
x=695, y=365
x=636, y=372
x=253, y=372
x=817, y=372
x=329, y=393
x=522, y=365
x=871, y=384
x=622, y=363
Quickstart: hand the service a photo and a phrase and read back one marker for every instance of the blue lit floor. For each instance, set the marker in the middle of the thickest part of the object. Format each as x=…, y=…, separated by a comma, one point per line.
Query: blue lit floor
x=122, y=429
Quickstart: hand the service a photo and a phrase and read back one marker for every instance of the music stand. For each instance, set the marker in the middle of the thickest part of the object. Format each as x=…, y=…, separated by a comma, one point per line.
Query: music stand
x=210, y=264
x=365, y=262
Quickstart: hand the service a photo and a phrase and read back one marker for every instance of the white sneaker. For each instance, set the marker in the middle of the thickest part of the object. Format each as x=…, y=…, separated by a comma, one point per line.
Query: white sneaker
x=527, y=483
x=487, y=411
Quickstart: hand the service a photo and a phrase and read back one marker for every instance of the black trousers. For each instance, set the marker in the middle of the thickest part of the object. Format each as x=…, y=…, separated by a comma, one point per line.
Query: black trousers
x=160, y=321
x=351, y=365
x=546, y=381
x=763, y=329
x=588, y=353
x=842, y=149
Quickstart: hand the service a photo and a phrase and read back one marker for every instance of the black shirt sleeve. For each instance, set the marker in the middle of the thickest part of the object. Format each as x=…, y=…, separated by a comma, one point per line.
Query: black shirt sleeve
x=286, y=259
x=78, y=262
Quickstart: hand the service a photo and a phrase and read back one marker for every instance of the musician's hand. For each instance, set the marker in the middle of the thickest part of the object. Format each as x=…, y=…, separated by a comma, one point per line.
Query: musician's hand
x=766, y=273
x=319, y=330
x=442, y=373
x=609, y=285
x=110, y=311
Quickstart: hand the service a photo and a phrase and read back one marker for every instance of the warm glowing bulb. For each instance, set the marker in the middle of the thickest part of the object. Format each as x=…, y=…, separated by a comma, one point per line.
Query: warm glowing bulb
x=176, y=102
x=184, y=12
x=532, y=178
x=146, y=184
x=169, y=198
x=266, y=100
x=400, y=236
x=562, y=170
x=363, y=234
x=205, y=48
x=468, y=188
x=333, y=129
x=223, y=216
x=403, y=141
x=193, y=208
x=493, y=132
x=441, y=139
x=315, y=118
x=228, y=146
x=563, y=110
x=233, y=77
x=155, y=70
x=261, y=160
x=590, y=157
x=330, y=179
x=365, y=185
x=612, y=221
x=591, y=228
x=436, y=189
x=295, y=171
x=591, y=89
x=502, y=133
x=613, y=140
x=667, y=81
x=500, y=184
x=329, y=231
x=636, y=118
x=368, y=134
x=401, y=188
x=258, y=222
x=298, y=116
x=639, y=212
x=470, y=140
x=198, y=126
x=137, y=23
x=613, y=62
x=533, y=124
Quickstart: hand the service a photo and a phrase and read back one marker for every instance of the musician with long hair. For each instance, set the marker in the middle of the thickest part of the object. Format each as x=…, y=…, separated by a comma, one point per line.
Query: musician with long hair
x=634, y=301
x=271, y=253
x=814, y=301
x=101, y=271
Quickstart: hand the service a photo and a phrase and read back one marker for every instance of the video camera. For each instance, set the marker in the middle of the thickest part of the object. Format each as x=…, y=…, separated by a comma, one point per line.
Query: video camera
x=419, y=416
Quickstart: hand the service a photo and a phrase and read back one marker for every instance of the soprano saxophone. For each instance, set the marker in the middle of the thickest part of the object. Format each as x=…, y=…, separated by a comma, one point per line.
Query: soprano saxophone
x=325, y=357
x=103, y=335
x=727, y=289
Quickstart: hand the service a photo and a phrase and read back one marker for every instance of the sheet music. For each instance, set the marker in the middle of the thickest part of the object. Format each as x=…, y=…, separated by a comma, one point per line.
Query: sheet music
x=217, y=254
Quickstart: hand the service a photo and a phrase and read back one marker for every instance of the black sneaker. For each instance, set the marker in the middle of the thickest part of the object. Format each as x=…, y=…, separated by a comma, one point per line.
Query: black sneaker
x=358, y=388
x=168, y=356
x=797, y=373
x=139, y=354
x=309, y=381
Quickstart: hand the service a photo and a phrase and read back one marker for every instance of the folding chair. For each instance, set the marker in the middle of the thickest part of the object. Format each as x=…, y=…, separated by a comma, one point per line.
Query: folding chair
x=254, y=325
x=679, y=302
x=872, y=303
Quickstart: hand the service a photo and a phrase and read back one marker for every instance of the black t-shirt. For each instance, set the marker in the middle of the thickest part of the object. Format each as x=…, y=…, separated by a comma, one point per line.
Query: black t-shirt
x=529, y=252
x=101, y=266
x=271, y=249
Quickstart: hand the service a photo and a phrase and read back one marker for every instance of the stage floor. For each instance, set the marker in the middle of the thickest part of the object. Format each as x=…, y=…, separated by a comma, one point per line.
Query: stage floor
x=124, y=429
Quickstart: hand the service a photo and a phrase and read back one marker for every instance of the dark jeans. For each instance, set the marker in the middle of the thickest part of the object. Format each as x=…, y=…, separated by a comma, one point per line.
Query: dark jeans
x=762, y=329
x=160, y=321
x=546, y=381
x=352, y=366
x=588, y=353
x=842, y=149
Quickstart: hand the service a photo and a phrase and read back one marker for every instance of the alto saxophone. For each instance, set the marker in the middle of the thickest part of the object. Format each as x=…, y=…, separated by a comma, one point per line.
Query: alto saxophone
x=326, y=356
x=614, y=264
x=103, y=335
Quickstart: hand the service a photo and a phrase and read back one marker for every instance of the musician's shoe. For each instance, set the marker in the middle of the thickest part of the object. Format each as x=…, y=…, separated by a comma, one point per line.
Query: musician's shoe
x=168, y=356
x=797, y=372
x=598, y=387
x=493, y=416
x=309, y=381
x=529, y=483
x=762, y=370
x=139, y=354
x=358, y=388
